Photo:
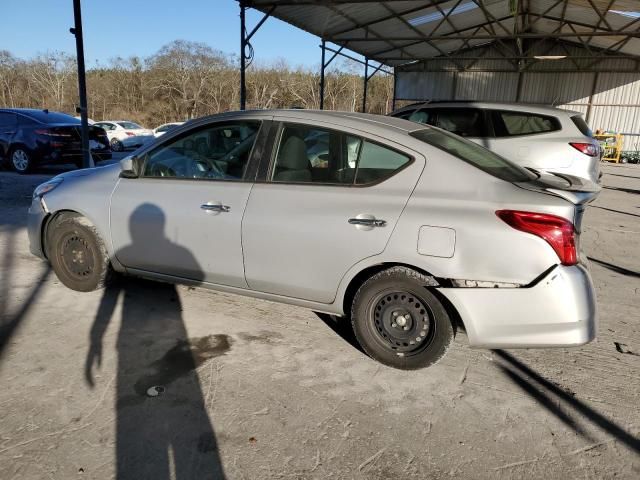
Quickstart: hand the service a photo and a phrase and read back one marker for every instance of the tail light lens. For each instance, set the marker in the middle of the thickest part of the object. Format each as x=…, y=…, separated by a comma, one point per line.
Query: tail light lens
x=586, y=148
x=556, y=231
x=51, y=133
x=130, y=134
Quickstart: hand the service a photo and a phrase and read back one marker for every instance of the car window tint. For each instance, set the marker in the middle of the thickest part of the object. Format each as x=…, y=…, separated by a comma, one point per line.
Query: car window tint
x=219, y=151
x=507, y=124
x=474, y=154
x=466, y=122
x=7, y=120
x=26, y=121
x=405, y=114
x=378, y=162
x=307, y=154
x=422, y=116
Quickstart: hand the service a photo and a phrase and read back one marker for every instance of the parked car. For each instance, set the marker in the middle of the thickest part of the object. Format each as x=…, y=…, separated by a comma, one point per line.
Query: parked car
x=540, y=137
x=164, y=128
x=124, y=134
x=30, y=137
x=404, y=235
x=89, y=120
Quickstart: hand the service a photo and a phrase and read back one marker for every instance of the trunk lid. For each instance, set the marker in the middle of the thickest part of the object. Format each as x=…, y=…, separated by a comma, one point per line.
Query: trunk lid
x=576, y=190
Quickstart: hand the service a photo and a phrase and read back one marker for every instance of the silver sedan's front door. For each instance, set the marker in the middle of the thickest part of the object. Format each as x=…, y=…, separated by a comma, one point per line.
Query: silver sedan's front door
x=305, y=227
x=183, y=216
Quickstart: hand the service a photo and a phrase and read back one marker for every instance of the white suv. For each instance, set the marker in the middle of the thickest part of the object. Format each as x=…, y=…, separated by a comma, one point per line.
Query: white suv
x=534, y=136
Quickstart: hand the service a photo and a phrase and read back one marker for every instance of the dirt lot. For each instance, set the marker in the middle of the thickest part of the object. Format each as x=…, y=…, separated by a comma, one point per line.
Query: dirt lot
x=258, y=390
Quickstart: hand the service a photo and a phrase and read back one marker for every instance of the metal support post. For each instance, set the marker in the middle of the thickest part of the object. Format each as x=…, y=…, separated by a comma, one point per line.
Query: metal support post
x=322, y=67
x=87, y=161
x=366, y=81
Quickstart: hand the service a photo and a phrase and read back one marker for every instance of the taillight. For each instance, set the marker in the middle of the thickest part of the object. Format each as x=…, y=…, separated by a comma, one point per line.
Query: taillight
x=130, y=134
x=557, y=231
x=50, y=133
x=586, y=148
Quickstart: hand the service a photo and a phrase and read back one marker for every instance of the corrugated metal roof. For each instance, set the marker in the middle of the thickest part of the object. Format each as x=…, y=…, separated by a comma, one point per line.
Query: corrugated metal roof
x=399, y=32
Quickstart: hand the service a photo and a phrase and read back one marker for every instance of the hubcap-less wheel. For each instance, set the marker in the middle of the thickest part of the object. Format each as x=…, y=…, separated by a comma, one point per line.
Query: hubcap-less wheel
x=398, y=321
x=77, y=256
x=402, y=322
x=20, y=160
x=116, y=145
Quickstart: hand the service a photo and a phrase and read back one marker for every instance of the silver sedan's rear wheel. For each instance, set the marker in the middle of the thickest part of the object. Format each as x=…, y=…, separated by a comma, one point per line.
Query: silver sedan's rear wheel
x=20, y=160
x=400, y=323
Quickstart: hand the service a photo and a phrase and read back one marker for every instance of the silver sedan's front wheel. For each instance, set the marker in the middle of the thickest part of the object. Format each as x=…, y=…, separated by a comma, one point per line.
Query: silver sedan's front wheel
x=20, y=160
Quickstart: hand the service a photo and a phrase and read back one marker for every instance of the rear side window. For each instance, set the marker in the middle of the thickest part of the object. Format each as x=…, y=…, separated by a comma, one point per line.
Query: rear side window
x=474, y=154
x=579, y=122
x=466, y=122
x=26, y=121
x=423, y=116
x=510, y=124
x=129, y=125
x=377, y=163
x=307, y=154
x=7, y=120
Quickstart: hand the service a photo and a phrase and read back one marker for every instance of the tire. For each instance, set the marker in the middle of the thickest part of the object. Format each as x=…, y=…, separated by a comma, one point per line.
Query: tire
x=116, y=145
x=77, y=254
x=20, y=160
x=414, y=341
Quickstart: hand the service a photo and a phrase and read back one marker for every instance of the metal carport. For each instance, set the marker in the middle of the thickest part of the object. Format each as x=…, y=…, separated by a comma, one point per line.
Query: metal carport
x=583, y=53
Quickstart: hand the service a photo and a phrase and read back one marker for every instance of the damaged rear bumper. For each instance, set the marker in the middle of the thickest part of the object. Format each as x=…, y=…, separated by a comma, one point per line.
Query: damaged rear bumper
x=559, y=310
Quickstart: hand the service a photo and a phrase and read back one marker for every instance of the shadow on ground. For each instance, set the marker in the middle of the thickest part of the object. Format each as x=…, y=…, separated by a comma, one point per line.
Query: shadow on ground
x=559, y=402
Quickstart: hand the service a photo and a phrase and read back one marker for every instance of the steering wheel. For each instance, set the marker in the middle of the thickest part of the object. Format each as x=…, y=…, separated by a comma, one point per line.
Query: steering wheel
x=161, y=170
x=233, y=155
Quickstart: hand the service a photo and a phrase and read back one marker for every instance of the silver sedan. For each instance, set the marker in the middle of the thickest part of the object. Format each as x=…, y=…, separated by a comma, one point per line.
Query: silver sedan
x=408, y=231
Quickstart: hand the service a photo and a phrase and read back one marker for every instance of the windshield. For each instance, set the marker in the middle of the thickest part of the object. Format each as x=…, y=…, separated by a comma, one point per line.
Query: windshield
x=479, y=157
x=129, y=125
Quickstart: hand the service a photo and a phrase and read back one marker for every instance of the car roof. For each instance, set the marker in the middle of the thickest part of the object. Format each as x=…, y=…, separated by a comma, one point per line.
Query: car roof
x=27, y=111
x=518, y=107
x=364, y=120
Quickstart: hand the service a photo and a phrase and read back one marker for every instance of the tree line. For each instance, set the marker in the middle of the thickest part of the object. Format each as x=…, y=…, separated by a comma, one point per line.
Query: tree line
x=182, y=80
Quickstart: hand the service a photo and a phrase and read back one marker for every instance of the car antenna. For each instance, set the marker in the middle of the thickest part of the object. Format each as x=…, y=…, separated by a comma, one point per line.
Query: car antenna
x=46, y=110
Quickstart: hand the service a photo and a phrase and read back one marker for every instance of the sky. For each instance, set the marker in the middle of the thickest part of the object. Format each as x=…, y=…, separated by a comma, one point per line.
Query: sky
x=140, y=27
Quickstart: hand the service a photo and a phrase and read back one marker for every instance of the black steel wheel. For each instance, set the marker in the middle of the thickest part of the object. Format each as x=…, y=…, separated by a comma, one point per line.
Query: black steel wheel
x=77, y=253
x=399, y=322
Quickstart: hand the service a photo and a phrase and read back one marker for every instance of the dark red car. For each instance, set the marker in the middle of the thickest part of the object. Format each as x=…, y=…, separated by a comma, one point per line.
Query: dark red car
x=30, y=137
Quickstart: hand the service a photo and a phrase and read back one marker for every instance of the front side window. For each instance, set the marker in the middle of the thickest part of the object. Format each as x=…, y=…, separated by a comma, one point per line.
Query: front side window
x=308, y=154
x=509, y=124
x=474, y=154
x=219, y=151
x=466, y=122
x=423, y=116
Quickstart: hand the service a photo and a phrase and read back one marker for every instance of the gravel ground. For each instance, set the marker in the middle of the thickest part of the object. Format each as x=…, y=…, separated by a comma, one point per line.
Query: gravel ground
x=254, y=389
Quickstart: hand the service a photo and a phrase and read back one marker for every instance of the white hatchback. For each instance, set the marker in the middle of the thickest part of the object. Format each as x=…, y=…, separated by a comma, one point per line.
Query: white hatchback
x=534, y=136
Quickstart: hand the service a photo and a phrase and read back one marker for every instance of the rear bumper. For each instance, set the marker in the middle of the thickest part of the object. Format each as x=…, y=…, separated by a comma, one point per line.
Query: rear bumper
x=558, y=311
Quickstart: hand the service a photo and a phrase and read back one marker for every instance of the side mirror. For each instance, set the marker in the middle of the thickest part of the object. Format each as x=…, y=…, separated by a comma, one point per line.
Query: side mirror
x=128, y=167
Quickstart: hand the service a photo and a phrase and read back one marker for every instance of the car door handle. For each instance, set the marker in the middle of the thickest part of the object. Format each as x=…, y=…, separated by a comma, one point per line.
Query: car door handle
x=215, y=207
x=369, y=222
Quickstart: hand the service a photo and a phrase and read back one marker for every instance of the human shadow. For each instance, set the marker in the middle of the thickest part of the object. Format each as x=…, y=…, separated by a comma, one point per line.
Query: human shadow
x=553, y=397
x=162, y=427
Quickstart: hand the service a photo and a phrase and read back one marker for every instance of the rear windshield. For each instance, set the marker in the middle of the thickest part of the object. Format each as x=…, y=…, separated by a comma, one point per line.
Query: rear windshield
x=129, y=125
x=582, y=125
x=51, y=117
x=479, y=157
